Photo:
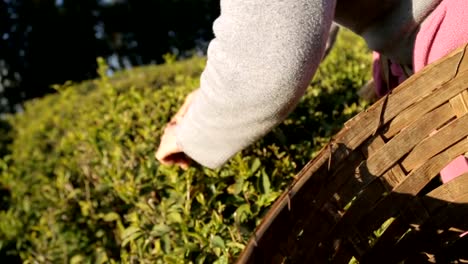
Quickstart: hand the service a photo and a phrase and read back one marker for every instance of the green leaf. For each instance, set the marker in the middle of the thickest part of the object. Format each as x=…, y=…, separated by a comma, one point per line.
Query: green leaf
x=110, y=217
x=217, y=242
x=85, y=207
x=166, y=244
x=200, y=198
x=237, y=245
x=129, y=234
x=222, y=260
x=201, y=239
x=201, y=259
x=265, y=182
x=159, y=230
x=101, y=256
x=174, y=217
x=242, y=213
x=77, y=259
x=255, y=165
x=236, y=188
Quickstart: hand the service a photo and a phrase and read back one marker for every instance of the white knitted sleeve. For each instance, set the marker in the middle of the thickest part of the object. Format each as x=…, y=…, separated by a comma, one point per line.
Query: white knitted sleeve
x=262, y=58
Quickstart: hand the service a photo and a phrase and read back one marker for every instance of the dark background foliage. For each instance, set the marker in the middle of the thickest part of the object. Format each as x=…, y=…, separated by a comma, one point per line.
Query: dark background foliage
x=45, y=42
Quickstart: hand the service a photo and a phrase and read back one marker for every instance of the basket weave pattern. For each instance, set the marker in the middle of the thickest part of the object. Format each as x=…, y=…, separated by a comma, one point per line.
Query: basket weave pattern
x=380, y=173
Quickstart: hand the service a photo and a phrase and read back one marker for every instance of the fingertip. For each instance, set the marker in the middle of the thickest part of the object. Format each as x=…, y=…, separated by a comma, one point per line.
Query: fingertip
x=182, y=163
x=159, y=157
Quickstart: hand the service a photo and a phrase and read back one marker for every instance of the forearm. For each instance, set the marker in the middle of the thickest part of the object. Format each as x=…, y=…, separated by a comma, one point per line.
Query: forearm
x=259, y=65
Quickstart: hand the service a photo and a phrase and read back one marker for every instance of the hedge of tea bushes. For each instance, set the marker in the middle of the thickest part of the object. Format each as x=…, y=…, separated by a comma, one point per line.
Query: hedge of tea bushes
x=79, y=182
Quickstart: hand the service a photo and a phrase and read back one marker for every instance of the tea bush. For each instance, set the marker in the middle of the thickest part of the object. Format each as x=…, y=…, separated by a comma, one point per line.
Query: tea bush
x=80, y=184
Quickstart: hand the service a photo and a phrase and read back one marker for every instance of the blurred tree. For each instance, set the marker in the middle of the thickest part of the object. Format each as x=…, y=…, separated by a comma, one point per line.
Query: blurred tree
x=44, y=42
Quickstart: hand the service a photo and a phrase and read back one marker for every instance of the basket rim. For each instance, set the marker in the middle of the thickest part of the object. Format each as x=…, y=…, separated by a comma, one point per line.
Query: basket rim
x=361, y=127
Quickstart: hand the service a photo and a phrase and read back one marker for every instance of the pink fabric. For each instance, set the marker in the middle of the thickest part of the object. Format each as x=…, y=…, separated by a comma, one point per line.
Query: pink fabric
x=443, y=31
x=396, y=76
x=454, y=169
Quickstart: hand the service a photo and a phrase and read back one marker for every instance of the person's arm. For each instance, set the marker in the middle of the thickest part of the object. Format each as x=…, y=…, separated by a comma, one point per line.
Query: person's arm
x=334, y=29
x=262, y=59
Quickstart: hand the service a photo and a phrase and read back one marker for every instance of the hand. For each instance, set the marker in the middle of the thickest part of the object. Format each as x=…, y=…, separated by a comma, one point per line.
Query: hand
x=169, y=152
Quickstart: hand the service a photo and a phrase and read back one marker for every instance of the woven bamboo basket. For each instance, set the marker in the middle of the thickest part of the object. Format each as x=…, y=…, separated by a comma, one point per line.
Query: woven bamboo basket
x=374, y=194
